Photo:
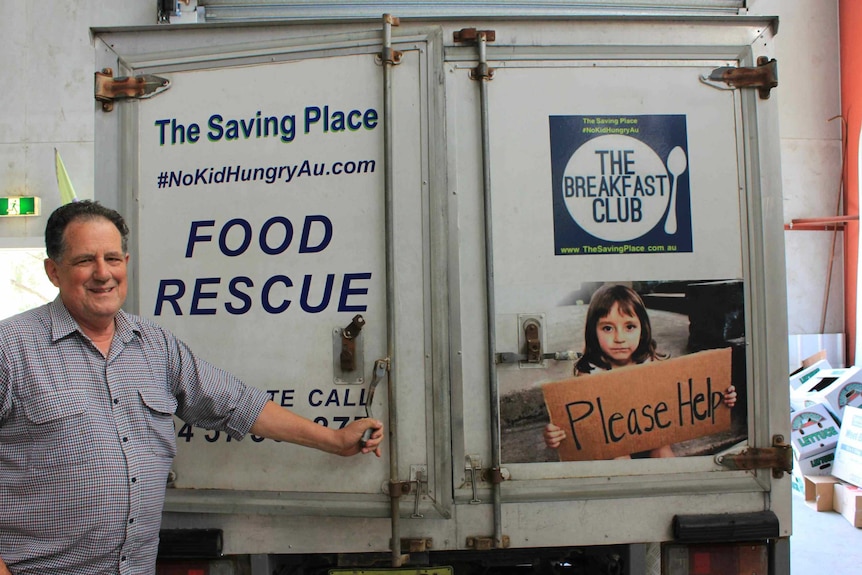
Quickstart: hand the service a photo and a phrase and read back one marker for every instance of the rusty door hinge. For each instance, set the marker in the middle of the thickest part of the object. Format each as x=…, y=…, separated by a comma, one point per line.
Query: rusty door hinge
x=764, y=77
x=389, y=55
x=108, y=88
x=779, y=458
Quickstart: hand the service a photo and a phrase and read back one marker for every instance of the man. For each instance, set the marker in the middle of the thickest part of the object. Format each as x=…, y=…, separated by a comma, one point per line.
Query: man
x=87, y=394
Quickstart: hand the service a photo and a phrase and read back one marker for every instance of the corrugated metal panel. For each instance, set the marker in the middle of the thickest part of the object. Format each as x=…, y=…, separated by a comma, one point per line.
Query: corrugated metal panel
x=249, y=10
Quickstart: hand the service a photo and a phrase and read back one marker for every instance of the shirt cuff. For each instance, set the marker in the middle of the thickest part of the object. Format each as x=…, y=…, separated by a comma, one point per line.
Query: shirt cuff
x=247, y=411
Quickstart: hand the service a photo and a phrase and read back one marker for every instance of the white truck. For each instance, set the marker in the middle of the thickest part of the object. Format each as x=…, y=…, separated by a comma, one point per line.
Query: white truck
x=407, y=217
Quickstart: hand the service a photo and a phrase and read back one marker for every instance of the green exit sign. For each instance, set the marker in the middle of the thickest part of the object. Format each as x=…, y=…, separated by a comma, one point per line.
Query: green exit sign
x=20, y=206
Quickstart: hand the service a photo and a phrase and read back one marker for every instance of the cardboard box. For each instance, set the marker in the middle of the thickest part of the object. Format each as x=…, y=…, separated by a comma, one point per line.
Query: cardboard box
x=847, y=500
x=803, y=374
x=797, y=482
x=819, y=492
x=848, y=454
x=820, y=464
x=813, y=431
x=837, y=388
x=800, y=398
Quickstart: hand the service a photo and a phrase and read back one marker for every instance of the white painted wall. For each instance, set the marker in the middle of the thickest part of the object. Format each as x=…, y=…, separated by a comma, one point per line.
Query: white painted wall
x=46, y=71
x=808, y=97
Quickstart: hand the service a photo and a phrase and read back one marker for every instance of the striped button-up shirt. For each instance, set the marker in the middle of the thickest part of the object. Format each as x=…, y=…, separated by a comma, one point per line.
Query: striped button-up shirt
x=86, y=441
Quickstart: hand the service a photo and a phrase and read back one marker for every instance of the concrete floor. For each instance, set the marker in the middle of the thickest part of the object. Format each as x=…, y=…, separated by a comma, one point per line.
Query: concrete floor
x=823, y=542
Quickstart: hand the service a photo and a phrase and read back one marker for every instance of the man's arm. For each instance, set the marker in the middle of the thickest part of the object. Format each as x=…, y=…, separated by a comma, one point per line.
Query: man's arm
x=278, y=423
x=5, y=407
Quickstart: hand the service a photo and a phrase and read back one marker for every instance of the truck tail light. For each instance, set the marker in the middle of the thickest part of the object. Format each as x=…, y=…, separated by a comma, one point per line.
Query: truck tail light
x=715, y=559
x=182, y=568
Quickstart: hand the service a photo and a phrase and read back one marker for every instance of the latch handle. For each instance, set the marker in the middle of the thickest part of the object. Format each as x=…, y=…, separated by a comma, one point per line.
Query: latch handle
x=348, y=343
x=474, y=472
x=380, y=368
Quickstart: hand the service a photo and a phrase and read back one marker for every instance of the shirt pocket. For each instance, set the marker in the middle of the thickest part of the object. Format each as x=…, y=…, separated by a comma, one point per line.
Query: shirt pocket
x=160, y=408
x=58, y=429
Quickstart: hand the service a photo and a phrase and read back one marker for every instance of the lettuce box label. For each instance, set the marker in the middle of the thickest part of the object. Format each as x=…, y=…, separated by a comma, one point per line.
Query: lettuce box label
x=620, y=184
x=813, y=431
x=641, y=407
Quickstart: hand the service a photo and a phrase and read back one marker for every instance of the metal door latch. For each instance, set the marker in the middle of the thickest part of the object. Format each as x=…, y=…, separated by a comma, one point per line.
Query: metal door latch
x=531, y=352
x=348, y=362
x=534, y=341
x=348, y=343
x=474, y=473
x=418, y=475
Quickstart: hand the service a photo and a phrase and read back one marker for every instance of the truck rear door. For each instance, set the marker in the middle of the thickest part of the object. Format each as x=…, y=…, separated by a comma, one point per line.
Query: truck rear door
x=622, y=154
x=528, y=163
x=255, y=187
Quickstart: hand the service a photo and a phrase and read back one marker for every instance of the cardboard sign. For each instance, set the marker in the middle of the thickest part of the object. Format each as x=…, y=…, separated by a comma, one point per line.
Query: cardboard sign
x=641, y=407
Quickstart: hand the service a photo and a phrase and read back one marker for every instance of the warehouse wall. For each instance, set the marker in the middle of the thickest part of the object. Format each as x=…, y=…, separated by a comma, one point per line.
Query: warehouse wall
x=808, y=97
x=46, y=70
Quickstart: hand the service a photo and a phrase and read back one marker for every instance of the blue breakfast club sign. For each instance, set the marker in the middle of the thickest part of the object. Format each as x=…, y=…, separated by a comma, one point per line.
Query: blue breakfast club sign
x=620, y=184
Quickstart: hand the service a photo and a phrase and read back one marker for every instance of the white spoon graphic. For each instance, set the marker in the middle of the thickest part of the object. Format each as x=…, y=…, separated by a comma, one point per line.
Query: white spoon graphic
x=676, y=165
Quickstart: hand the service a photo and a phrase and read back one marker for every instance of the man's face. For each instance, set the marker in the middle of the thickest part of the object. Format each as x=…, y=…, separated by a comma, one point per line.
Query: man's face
x=91, y=273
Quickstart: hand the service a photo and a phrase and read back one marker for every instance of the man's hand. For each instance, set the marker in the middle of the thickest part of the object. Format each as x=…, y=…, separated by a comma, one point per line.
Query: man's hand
x=3, y=569
x=353, y=436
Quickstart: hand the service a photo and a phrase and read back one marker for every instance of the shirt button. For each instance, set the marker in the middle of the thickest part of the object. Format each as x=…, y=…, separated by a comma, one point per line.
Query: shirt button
x=134, y=479
x=123, y=558
x=132, y=520
x=116, y=401
x=125, y=439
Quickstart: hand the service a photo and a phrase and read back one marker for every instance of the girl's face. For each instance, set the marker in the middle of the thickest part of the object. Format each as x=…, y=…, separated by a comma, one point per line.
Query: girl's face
x=619, y=335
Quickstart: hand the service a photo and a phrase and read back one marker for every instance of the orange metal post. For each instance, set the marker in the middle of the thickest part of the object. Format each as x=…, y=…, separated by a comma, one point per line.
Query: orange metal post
x=850, y=18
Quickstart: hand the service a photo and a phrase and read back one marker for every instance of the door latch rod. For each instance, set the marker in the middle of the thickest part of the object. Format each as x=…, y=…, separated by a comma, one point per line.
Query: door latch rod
x=380, y=369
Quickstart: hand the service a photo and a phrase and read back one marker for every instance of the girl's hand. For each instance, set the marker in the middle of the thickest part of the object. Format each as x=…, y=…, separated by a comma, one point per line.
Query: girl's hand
x=730, y=396
x=663, y=451
x=553, y=436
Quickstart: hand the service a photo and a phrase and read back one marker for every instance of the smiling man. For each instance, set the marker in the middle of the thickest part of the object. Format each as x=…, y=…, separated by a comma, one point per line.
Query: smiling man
x=88, y=264
x=87, y=398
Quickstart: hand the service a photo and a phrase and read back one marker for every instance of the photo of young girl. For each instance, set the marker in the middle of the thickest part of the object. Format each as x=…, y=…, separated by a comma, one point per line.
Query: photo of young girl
x=618, y=333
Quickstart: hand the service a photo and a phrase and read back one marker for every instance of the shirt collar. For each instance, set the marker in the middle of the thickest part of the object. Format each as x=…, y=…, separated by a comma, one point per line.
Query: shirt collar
x=62, y=323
